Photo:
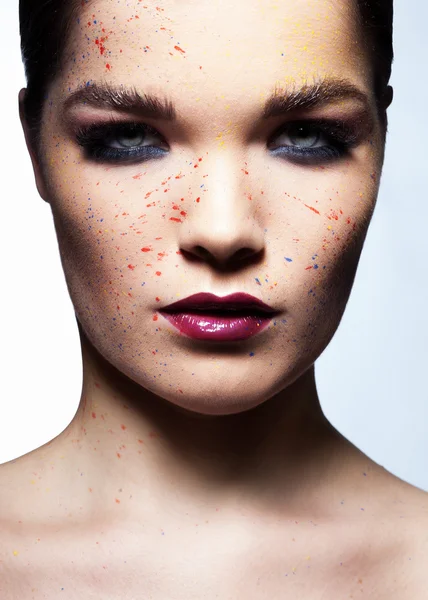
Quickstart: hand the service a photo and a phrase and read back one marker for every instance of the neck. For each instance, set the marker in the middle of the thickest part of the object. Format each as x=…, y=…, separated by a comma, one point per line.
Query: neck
x=284, y=445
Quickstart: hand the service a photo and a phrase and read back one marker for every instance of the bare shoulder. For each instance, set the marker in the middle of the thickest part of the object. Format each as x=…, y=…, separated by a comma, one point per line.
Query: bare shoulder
x=42, y=534
x=408, y=531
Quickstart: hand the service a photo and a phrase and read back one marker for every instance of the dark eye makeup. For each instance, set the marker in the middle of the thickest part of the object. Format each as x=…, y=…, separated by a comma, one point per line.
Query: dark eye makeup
x=310, y=141
x=121, y=142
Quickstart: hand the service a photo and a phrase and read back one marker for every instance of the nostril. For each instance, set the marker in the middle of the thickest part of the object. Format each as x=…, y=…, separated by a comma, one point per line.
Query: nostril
x=197, y=253
x=244, y=253
x=202, y=252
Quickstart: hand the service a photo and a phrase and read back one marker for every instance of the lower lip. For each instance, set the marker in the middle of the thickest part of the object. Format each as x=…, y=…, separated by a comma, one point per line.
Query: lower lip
x=217, y=327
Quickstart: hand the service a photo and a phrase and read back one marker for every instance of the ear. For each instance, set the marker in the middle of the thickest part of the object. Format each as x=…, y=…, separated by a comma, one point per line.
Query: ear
x=389, y=94
x=41, y=188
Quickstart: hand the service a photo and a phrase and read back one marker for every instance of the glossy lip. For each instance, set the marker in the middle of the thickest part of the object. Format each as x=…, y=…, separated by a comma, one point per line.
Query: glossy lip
x=211, y=318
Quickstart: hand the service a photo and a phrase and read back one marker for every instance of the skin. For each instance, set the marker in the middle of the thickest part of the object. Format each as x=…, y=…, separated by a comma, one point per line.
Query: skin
x=174, y=432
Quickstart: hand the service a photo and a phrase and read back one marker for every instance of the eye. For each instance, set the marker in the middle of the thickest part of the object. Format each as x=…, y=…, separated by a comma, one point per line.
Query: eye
x=121, y=142
x=312, y=142
x=301, y=135
x=132, y=138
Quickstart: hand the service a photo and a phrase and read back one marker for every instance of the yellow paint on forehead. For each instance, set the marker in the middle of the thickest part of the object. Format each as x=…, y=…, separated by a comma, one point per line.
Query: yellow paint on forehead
x=249, y=43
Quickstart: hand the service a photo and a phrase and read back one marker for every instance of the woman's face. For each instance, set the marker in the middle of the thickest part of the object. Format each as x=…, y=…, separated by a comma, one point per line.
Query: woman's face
x=244, y=190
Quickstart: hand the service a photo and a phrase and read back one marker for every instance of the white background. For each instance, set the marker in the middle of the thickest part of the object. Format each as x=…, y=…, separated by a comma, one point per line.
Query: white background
x=371, y=378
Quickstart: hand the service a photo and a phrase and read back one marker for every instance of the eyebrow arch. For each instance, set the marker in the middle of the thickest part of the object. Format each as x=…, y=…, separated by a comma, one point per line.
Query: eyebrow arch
x=310, y=95
x=126, y=99
x=280, y=102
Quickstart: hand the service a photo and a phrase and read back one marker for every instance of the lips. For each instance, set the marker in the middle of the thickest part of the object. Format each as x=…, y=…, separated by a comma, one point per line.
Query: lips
x=209, y=317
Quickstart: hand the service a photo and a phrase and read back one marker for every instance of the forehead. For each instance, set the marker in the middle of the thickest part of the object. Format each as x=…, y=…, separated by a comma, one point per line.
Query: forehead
x=205, y=46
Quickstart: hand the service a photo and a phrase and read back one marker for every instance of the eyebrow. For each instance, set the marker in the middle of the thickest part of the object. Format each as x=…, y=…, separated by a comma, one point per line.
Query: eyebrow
x=310, y=95
x=104, y=95
x=280, y=102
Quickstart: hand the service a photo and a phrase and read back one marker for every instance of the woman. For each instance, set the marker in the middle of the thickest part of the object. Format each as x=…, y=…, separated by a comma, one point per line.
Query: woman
x=212, y=171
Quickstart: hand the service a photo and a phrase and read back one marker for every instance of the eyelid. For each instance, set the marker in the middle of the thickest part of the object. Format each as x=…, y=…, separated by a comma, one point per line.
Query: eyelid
x=335, y=129
x=100, y=131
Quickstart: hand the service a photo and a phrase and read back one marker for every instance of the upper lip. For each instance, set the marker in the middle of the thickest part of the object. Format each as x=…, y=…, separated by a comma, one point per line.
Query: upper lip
x=203, y=301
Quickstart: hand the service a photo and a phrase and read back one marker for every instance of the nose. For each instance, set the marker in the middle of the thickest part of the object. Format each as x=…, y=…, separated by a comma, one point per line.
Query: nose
x=221, y=229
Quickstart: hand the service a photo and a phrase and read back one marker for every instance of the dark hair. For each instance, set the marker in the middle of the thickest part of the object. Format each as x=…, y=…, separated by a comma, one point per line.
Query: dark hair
x=45, y=26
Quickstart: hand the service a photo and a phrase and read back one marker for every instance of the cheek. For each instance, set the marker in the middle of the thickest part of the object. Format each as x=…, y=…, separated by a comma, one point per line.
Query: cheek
x=117, y=239
x=317, y=229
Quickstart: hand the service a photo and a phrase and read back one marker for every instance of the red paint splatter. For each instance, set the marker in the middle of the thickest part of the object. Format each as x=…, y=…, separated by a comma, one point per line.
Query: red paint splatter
x=312, y=208
x=158, y=273
x=132, y=267
x=175, y=219
x=198, y=199
x=155, y=317
x=146, y=249
x=179, y=49
x=157, y=299
x=94, y=416
x=108, y=66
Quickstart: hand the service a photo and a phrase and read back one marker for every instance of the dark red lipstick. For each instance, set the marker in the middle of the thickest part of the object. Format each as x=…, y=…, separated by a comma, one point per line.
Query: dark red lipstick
x=209, y=317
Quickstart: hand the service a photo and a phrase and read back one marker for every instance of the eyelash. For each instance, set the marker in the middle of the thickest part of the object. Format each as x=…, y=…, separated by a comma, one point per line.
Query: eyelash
x=92, y=138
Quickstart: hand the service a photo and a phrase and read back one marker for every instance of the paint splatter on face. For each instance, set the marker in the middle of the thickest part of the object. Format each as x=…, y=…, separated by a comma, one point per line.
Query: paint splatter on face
x=192, y=149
